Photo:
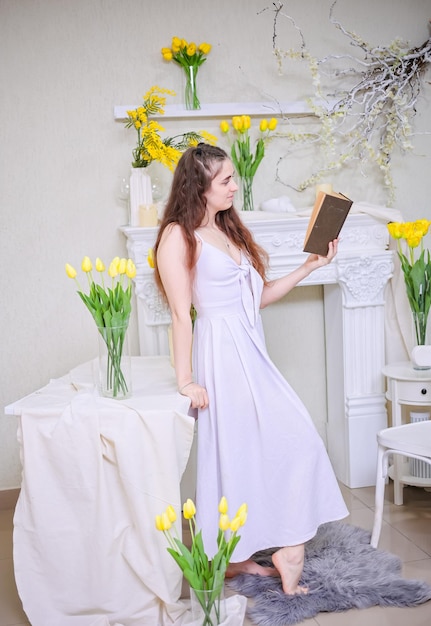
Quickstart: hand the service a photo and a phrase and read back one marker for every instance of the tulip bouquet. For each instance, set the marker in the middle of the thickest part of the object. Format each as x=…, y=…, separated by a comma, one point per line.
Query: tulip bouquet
x=206, y=578
x=245, y=162
x=417, y=271
x=110, y=308
x=190, y=57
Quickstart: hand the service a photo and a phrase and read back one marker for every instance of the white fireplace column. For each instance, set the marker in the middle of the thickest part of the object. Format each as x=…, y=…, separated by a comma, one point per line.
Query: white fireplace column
x=354, y=289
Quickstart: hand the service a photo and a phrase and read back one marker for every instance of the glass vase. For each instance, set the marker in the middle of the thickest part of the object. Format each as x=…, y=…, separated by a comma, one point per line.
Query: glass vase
x=208, y=606
x=246, y=191
x=190, y=92
x=115, y=371
x=420, y=328
x=421, y=342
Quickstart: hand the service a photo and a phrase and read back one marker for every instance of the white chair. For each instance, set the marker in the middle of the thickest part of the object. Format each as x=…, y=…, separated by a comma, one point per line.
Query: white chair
x=409, y=440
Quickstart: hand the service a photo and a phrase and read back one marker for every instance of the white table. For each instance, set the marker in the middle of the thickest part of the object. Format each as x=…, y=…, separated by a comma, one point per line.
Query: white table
x=406, y=386
x=96, y=471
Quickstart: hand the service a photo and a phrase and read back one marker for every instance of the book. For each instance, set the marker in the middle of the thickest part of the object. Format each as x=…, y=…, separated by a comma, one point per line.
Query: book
x=327, y=218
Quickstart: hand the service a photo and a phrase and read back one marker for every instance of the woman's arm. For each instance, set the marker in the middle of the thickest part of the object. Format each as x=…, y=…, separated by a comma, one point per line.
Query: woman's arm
x=177, y=281
x=276, y=289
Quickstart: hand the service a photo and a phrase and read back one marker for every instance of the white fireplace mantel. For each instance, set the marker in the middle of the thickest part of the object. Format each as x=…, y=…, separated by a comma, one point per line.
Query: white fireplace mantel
x=354, y=297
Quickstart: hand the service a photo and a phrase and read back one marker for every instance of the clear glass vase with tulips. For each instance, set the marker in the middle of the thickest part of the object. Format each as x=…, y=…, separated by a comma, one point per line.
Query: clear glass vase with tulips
x=205, y=576
x=416, y=267
x=246, y=158
x=110, y=308
x=190, y=57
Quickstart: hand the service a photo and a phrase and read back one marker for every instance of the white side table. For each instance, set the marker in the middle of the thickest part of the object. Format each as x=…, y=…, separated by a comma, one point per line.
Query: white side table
x=406, y=386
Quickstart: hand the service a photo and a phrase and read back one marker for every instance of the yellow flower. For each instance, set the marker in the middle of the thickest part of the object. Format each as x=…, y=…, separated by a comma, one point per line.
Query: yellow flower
x=235, y=524
x=224, y=522
x=170, y=512
x=263, y=126
x=150, y=145
x=272, y=125
x=70, y=271
x=189, y=509
x=222, y=507
x=191, y=49
x=122, y=266
x=167, y=54
x=100, y=267
x=86, y=264
x=205, y=48
x=130, y=269
x=395, y=230
x=166, y=522
x=113, y=267
x=176, y=44
x=159, y=525
x=224, y=126
x=150, y=258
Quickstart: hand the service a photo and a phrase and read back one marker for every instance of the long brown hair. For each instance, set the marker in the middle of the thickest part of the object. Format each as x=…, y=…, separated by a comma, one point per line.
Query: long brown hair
x=186, y=206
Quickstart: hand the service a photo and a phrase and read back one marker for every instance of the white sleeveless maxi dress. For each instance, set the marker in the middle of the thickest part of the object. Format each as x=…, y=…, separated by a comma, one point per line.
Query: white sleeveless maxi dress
x=256, y=441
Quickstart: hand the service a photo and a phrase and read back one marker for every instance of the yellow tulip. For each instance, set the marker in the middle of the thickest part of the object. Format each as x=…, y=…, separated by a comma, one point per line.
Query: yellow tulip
x=395, y=230
x=100, y=267
x=189, y=509
x=422, y=226
x=130, y=269
x=224, y=522
x=246, y=122
x=86, y=264
x=224, y=126
x=242, y=509
x=166, y=522
x=168, y=56
x=159, y=525
x=183, y=44
x=205, y=48
x=263, y=126
x=70, y=271
x=176, y=44
x=150, y=258
x=222, y=507
x=272, y=124
x=237, y=122
x=191, y=49
x=122, y=266
x=235, y=524
x=113, y=268
x=413, y=240
x=170, y=512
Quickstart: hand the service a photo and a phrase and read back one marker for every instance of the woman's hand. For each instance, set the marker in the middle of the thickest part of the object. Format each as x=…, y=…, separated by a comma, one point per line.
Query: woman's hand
x=197, y=394
x=314, y=261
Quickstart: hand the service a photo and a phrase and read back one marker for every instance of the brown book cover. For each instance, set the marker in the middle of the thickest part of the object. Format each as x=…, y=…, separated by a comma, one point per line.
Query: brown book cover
x=329, y=214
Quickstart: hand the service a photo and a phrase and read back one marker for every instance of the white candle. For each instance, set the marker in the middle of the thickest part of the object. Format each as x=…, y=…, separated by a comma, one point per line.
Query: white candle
x=148, y=215
x=325, y=187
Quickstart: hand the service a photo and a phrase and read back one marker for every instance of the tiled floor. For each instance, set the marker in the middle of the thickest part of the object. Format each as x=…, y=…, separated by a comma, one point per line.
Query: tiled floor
x=406, y=532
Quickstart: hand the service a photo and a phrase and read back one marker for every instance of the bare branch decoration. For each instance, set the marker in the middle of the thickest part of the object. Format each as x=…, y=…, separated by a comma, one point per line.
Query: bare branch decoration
x=371, y=117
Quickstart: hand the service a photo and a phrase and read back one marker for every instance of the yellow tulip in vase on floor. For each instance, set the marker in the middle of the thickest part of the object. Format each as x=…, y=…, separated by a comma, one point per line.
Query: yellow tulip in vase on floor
x=110, y=308
x=205, y=576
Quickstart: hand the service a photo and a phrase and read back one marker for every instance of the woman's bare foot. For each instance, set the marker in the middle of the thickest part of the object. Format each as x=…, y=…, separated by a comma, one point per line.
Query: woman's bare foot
x=289, y=562
x=249, y=567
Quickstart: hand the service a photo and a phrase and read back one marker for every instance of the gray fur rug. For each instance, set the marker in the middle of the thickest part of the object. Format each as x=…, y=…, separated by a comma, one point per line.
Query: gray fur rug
x=341, y=570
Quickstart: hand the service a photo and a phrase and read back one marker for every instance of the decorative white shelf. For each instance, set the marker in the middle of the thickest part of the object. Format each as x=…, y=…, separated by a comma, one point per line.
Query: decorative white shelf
x=298, y=108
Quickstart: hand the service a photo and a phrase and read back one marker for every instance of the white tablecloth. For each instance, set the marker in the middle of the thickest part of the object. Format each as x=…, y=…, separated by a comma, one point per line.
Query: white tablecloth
x=96, y=472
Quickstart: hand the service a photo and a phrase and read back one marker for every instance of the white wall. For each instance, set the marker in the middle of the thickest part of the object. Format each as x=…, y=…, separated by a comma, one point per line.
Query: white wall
x=65, y=64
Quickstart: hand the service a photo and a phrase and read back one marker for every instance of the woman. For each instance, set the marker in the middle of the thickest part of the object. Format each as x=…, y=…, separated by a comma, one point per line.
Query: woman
x=256, y=442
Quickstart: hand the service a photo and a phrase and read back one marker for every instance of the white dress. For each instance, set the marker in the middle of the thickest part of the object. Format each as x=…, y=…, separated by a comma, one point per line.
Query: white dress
x=256, y=441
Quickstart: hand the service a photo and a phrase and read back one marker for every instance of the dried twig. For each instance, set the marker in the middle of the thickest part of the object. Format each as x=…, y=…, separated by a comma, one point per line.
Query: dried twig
x=372, y=117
